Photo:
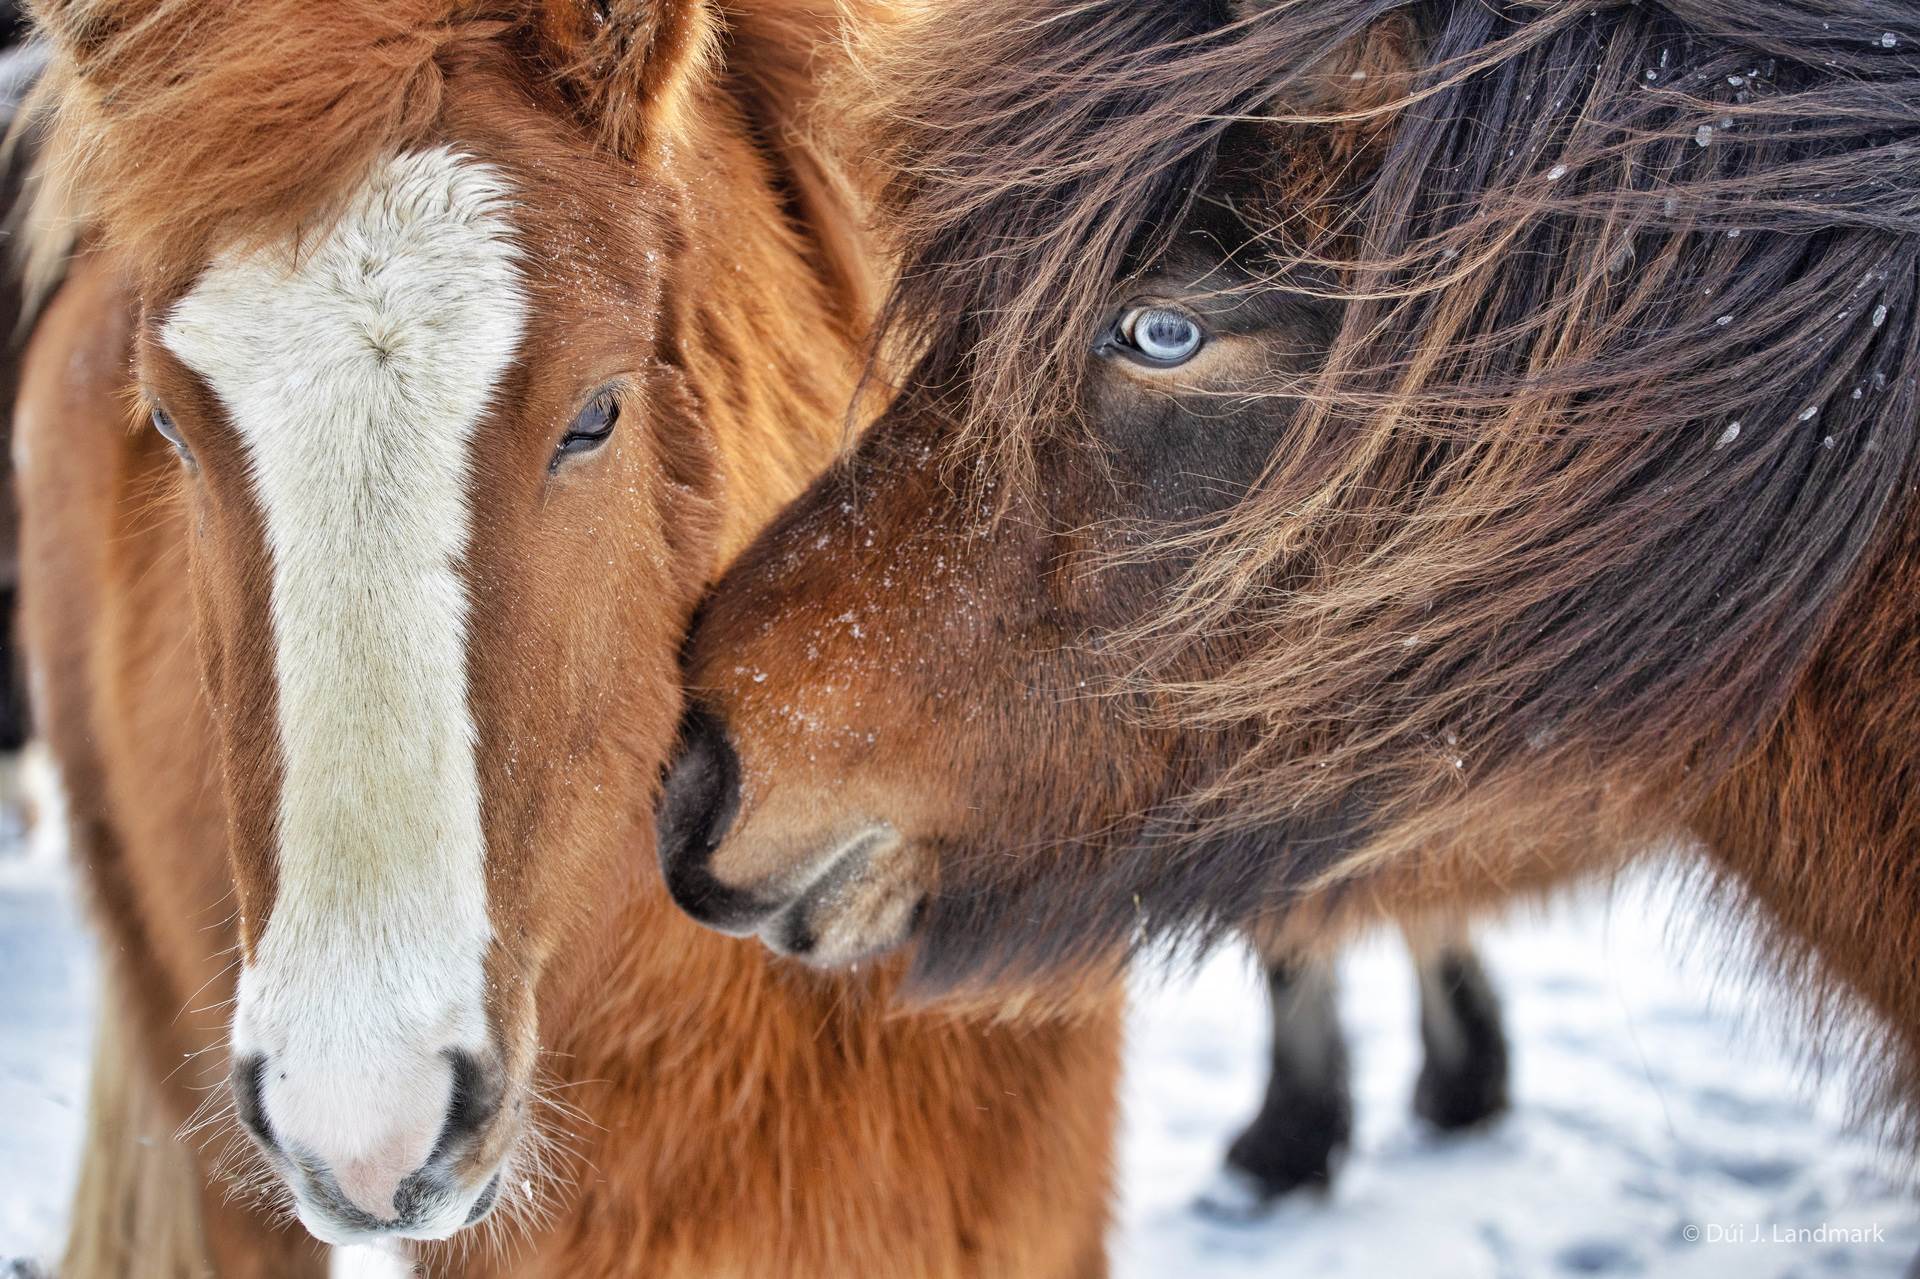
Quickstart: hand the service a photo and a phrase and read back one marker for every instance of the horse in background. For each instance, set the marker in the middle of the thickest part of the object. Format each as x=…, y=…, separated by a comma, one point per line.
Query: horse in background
x=20, y=66
x=415, y=366
x=1357, y=459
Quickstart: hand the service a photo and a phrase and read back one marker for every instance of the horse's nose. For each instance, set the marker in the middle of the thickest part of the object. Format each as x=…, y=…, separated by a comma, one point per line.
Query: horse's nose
x=698, y=802
x=396, y=1167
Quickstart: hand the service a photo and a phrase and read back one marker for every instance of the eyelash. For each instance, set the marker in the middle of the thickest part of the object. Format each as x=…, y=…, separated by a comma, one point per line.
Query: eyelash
x=587, y=432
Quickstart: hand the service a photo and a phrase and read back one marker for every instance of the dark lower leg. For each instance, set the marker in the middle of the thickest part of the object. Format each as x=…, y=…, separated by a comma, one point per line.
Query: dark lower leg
x=1463, y=1080
x=1307, y=1115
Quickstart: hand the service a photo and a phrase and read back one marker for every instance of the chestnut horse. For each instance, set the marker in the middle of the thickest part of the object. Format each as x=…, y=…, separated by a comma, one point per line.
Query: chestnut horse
x=464, y=342
x=1359, y=456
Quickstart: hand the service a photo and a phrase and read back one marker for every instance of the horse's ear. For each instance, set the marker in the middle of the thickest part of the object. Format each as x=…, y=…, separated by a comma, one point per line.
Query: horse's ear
x=633, y=66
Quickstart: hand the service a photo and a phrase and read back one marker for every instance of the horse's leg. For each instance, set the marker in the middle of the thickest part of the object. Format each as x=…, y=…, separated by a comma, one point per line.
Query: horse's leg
x=15, y=725
x=144, y=1204
x=1306, y=1119
x=1463, y=1079
x=16, y=729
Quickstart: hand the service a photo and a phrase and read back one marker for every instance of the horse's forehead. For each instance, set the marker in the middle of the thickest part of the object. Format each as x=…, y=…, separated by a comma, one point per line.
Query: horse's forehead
x=412, y=293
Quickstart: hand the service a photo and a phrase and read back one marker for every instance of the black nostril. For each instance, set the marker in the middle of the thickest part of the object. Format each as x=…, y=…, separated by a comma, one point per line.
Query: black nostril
x=478, y=1090
x=698, y=802
x=702, y=788
x=248, y=1074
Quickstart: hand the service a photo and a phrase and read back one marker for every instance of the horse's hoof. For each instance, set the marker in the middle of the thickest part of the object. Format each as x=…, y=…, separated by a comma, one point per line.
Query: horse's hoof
x=1264, y=1167
x=1236, y=1195
x=1456, y=1100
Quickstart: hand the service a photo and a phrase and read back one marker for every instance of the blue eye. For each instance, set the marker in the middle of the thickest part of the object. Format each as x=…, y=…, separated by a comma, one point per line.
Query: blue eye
x=1161, y=335
x=590, y=428
x=169, y=431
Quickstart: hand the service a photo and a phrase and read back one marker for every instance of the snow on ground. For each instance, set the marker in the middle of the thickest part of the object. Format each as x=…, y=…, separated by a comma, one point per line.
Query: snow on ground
x=1653, y=1133
x=1657, y=1130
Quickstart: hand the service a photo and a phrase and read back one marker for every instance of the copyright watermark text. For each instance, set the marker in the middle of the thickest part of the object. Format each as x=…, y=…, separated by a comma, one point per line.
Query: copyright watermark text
x=1763, y=1232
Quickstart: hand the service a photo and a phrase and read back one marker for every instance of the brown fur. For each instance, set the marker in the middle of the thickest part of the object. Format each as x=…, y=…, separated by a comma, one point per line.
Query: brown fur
x=734, y=1116
x=1555, y=504
x=634, y=66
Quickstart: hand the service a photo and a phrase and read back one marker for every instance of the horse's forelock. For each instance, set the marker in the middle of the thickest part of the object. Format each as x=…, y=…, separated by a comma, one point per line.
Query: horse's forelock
x=1026, y=154
x=180, y=128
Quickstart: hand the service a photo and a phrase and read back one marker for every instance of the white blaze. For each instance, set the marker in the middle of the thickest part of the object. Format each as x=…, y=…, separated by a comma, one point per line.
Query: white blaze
x=355, y=373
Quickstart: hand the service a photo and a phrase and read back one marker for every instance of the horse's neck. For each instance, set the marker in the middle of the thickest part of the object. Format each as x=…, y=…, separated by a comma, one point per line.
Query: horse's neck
x=1821, y=825
x=781, y=287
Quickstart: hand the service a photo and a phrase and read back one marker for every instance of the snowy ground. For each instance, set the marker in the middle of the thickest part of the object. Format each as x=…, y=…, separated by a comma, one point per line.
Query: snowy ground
x=1654, y=1133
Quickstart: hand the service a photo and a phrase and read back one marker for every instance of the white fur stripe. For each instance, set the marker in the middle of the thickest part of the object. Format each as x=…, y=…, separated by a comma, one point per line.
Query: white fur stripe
x=356, y=374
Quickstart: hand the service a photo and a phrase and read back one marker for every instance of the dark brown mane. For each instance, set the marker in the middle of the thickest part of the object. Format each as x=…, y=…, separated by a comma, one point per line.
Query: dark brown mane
x=1623, y=409
x=1030, y=154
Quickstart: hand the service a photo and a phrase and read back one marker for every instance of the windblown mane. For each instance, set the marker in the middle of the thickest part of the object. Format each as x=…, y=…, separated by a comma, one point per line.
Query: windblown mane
x=1622, y=411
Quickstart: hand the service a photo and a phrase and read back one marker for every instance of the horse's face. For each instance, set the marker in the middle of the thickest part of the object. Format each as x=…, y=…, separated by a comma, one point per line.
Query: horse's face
x=903, y=710
x=449, y=504
x=1433, y=558
x=914, y=711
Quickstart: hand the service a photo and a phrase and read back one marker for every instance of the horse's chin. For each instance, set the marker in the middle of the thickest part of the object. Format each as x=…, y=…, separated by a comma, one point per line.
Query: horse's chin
x=830, y=938
x=869, y=901
x=445, y=1212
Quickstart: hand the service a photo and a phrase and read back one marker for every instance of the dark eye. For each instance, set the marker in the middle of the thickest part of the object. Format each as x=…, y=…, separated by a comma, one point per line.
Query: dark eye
x=163, y=422
x=1160, y=335
x=590, y=428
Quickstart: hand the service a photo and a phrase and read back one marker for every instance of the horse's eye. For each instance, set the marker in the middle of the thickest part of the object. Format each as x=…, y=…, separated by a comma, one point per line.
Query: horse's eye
x=1160, y=335
x=590, y=428
x=169, y=431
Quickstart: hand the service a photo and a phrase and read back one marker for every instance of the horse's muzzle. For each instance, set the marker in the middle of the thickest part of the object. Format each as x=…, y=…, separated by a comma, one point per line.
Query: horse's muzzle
x=371, y=1195
x=838, y=894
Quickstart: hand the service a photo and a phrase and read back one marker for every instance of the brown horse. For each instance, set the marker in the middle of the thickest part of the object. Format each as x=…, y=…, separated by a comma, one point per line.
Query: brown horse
x=466, y=341
x=1357, y=458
